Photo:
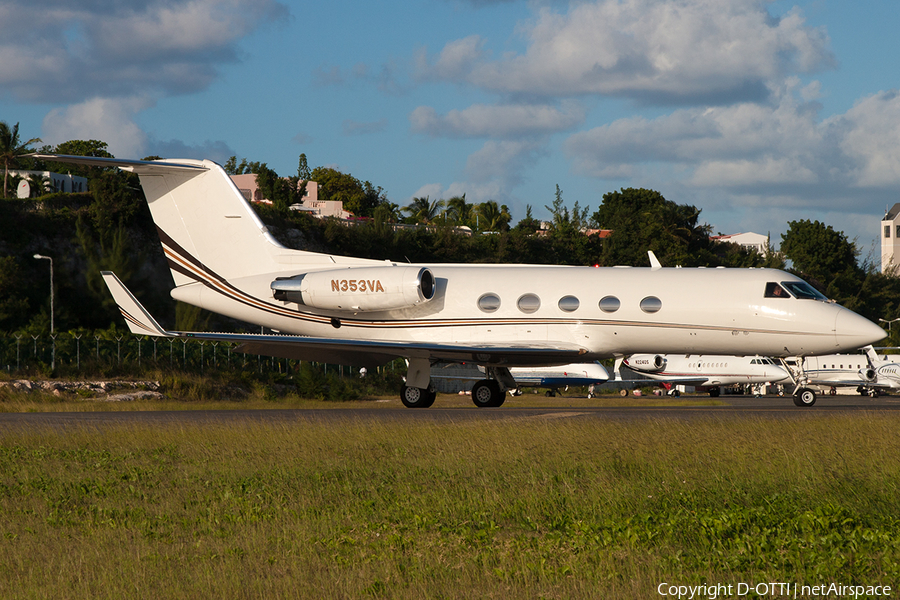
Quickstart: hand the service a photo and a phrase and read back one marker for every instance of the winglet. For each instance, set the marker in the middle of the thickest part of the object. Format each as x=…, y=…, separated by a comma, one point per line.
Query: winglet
x=139, y=321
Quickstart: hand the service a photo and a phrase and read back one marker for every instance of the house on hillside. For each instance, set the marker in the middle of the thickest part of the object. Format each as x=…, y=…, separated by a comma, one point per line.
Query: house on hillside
x=60, y=182
x=246, y=184
x=754, y=241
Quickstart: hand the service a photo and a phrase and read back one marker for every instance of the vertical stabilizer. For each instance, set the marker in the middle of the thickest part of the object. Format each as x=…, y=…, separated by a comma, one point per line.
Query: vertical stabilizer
x=204, y=223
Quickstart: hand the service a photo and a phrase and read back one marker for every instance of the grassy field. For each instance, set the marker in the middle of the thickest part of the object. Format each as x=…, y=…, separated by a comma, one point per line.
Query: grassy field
x=530, y=508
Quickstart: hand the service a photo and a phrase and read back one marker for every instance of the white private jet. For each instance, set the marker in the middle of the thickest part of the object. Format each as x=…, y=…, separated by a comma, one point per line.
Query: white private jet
x=709, y=371
x=357, y=311
x=868, y=372
x=562, y=376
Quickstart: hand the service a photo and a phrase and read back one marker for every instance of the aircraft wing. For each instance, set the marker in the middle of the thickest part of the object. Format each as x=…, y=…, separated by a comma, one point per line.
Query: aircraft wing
x=368, y=353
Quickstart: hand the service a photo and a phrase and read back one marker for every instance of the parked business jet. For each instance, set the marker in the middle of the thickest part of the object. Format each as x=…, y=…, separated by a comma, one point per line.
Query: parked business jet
x=553, y=378
x=367, y=312
x=868, y=373
x=710, y=371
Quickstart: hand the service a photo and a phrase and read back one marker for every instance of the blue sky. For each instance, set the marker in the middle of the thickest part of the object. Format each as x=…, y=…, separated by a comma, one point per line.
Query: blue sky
x=758, y=113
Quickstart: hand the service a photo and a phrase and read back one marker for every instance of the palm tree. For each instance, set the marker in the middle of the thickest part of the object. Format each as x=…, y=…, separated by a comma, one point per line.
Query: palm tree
x=40, y=184
x=422, y=210
x=459, y=211
x=493, y=217
x=11, y=148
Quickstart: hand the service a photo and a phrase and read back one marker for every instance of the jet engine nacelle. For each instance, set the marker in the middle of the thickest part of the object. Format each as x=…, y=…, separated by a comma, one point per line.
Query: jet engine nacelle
x=651, y=363
x=358, y=289
x=868, y=374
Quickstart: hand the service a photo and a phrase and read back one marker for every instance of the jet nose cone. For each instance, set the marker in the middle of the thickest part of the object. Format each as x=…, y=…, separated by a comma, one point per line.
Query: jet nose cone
x=852, y=331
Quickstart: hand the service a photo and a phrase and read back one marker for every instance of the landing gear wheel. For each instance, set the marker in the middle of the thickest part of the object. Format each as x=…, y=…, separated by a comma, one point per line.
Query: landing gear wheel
x=805, y=397
x=413, y=397
x=487, y=394
x=550, y=393
x=714, y=393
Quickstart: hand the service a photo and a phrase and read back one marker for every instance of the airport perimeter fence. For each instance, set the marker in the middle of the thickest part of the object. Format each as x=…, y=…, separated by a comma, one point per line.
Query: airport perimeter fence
x=106, y=353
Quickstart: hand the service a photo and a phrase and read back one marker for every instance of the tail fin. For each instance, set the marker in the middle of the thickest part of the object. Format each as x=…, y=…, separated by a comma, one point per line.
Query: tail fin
x=139, y=321
x=204, y=223
x=872, y=355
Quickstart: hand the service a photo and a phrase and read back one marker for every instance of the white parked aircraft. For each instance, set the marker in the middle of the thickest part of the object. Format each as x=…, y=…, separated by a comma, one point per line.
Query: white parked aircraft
x=563, y=376
x=367, y=312
x=868, y=373
x=710, y=371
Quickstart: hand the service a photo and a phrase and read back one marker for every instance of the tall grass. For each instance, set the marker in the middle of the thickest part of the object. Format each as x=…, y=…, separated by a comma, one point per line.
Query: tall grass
x=514, y=508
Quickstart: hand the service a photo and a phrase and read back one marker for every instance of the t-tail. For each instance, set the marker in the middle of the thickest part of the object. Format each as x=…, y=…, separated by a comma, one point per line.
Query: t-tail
x=208, y=230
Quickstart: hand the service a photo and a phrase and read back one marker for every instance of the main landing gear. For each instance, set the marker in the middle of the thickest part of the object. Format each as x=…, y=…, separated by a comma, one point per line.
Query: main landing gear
x=804, y=397
x=487, y=394
x=413, y=397
x=419, y=392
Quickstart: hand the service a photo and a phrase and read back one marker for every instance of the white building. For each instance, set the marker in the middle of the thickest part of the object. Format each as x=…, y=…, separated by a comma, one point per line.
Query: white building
x=756, y=241
x=890, y=238
x=61, y=182
x=318, y=208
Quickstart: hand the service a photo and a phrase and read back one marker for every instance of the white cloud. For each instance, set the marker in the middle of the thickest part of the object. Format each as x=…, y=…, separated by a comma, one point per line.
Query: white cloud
x=504, y=121
x=105, y=119
x=780, y=157
x=654, y=51
x=79, y=49
x=871, y=137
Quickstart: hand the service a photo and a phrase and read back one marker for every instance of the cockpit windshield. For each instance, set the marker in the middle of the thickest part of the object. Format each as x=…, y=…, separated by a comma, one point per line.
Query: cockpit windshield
x=803, y=290
x=793, y=289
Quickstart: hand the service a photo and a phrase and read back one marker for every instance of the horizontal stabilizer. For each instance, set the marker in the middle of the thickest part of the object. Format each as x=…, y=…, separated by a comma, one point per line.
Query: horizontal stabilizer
x=139, y=321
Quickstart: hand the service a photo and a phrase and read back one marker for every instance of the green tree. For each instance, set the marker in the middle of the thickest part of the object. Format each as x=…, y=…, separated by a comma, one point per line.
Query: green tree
x=335, y=185
x=13, y=302
x=12, y=148
x=423, y=210
x=233, y=168
x=817, y=251
x=40, y=184
x=493, y=217
x=459, y=212
x=529, y=224
x=643, y=220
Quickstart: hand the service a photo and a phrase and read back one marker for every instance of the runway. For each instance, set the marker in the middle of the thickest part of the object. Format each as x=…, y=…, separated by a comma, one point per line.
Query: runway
x=730, y=407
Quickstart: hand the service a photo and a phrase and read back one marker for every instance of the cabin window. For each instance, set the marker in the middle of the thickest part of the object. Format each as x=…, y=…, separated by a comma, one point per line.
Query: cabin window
x=773, y=290
x=803, y=290
x=887, y=231
x=529, y=303
x=651, y=304
x=609, y=304
x=569, y=303
x=489, y=302
x=897, y=233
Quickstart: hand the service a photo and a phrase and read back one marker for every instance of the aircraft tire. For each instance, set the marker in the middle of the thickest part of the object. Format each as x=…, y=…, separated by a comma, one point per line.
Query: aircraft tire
x=486, y=394
x=714, y=392
x=413, y=397
x=805, y=397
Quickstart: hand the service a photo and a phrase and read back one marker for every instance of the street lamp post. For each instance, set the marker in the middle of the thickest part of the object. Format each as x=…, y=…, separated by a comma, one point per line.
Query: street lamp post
x=889, y=322
x=52, y=328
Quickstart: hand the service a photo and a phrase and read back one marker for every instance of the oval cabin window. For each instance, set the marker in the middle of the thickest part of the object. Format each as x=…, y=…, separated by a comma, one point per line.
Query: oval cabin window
x=529, y=303
x=610, y=304
x=489, y=303
x=651, y=304
x=569, y=303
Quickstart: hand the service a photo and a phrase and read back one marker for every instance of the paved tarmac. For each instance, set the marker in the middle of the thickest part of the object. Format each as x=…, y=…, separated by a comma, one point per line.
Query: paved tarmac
x=731, y=407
